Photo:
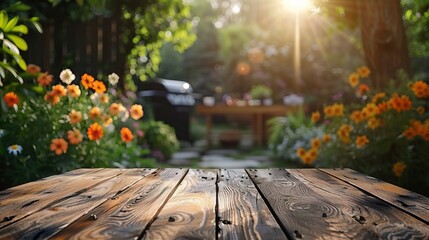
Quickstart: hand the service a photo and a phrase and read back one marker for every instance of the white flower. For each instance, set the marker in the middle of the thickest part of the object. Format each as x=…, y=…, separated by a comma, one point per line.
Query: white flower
x=67, y=76
x=113, y=78
x=2, y=132
x=95, y=97
x=15, y=149
x=123, y=113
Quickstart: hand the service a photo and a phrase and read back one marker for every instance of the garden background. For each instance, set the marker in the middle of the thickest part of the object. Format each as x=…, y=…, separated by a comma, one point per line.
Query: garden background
x=361, y=67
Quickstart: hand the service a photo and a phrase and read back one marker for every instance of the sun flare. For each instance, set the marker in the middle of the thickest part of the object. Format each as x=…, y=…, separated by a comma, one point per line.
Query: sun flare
x=298, y=5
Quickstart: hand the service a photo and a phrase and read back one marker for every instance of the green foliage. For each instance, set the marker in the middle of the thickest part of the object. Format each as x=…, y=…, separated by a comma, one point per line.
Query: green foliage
x=260, y=91
x=416, y=16
x=33, y=124
x=288, y=134
x=11, y=31
x=161, y=138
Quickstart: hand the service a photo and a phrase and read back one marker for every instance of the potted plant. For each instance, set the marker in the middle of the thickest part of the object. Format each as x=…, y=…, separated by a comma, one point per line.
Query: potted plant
x=262, y=93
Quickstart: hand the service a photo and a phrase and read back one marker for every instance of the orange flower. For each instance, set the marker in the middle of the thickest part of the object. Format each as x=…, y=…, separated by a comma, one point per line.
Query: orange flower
x=315, y=143
x=399, y=168
x=73, y=90
x=74, y=136
x=33, y=69
x=52, y=98
x=315, y=117
x=409, y=133
x=75, y=116
x=11, y=99
x=356, y=116
x=95, y=113
x=136, y=111
x=59, y=90
x=59, y=146
x=353, y=79
x=420, y=89
x=126, y=135
x=344, y=133
x=98, y=86
x=45, y=79
x=363, y=88
x=87, y=81
x=328, y=111
x=95, y=132
x=326, y=138
x=363, y=71
x=115, y=108
x=361, y=141
x=383, y=107
x=400, y=103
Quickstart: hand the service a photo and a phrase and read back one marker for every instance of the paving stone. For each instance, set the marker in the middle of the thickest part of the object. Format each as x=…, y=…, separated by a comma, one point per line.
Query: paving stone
x=224, y=163
x=186, y=155
x=179, y=162
x=223, y=152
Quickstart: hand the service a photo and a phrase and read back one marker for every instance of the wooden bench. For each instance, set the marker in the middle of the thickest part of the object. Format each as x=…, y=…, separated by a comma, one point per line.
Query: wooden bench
x=212, y=204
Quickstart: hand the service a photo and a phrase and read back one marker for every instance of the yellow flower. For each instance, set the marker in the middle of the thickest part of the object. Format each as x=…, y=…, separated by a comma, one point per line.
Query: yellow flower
x=399, y=168
x=315, y=143
x=354, y=79
x=334, y=110
x=315, y=117
x=370, y=110
x=363, y=71
x=356, y=116
x=378, y=97
x=115, y=108
x=361, y=141
x=136, y=111
x=301, y=152
x=374, y=123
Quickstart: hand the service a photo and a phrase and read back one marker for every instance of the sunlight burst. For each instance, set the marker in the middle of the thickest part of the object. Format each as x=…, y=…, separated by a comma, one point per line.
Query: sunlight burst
x=298, y=5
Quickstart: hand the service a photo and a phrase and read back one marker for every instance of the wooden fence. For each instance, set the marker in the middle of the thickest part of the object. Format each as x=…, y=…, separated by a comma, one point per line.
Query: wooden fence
x=92, y=47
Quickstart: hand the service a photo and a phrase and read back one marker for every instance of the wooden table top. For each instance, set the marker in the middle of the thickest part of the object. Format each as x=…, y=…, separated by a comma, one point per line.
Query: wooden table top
x=212, y=204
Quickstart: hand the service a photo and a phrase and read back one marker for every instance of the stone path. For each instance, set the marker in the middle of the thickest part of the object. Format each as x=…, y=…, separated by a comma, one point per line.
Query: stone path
x=219, y=158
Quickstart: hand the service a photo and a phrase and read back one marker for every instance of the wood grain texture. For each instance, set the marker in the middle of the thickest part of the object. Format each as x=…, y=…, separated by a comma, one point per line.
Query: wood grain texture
x=383, y=220
x=190, y=213
x=242, y=211
x=126, y=215
x=26, y=199
x=49, y=220
x=411, y=202
x=301, y=210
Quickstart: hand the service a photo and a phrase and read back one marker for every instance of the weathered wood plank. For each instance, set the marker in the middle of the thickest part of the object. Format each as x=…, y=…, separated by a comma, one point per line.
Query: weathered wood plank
x=190, y=213
x=411, y=202
x=242, y=211
x=46, y=222
x=383, y=220
x=126, y=215
x=25, y=200
x=301, y=210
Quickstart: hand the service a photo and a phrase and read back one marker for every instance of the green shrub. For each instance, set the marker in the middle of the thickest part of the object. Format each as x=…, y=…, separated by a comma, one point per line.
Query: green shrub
x=160, y=138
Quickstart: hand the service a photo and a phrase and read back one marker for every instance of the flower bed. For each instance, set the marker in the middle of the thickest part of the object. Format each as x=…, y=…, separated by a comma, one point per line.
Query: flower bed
x=384, y=133
x=48, y=128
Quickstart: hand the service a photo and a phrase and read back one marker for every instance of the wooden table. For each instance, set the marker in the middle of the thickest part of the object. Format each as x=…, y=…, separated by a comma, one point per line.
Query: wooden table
x=258, y=114
x=212, y=204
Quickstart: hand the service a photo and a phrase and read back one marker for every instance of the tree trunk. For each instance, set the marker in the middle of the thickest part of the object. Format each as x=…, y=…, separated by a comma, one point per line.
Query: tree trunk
x=383, y=38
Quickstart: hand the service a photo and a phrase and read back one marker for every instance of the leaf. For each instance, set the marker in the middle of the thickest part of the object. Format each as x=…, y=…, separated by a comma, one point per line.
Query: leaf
x=38, y=27
x=80, y=2
x=19, y=7
x=11, y=46
x=2, y=74
x=22, y=64
x=20, y=29
x=3, y=19
x=18, y=41
x=12, y=23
